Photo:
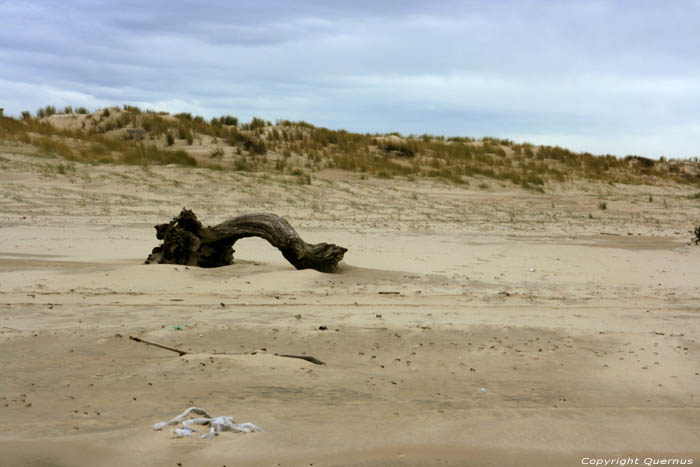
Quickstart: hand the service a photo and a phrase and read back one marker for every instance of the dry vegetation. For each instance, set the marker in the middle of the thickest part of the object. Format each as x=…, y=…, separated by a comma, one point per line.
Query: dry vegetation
x=129, y=135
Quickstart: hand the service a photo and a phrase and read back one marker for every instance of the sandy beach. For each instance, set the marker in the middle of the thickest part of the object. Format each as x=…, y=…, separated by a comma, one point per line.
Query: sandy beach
x=467, y=326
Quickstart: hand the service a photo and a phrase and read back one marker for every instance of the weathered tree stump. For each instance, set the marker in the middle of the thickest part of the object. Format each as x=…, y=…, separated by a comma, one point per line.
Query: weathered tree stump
x=186, y=241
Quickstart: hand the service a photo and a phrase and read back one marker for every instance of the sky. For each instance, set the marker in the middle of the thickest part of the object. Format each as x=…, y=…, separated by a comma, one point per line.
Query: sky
x=608, y=77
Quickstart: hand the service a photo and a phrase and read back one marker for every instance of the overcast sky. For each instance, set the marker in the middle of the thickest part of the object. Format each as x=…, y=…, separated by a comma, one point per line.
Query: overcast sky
x=619, y=77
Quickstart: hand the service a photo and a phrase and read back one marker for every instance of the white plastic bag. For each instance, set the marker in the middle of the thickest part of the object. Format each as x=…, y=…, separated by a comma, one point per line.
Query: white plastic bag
x=217, y=425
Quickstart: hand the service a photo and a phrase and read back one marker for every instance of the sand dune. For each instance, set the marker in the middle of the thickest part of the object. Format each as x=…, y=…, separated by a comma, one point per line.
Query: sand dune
x=581, y=325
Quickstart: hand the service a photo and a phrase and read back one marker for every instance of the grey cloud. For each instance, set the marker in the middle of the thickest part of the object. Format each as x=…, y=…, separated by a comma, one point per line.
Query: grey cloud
x=567, y=70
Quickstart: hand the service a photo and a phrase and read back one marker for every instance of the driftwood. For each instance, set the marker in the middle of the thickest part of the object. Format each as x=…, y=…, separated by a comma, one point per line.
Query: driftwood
x=186, y=241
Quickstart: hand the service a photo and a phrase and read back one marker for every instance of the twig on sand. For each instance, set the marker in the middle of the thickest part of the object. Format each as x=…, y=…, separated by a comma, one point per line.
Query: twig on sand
x=172, y=349
x=608, y=233
x=309, y=359
x=313, y=360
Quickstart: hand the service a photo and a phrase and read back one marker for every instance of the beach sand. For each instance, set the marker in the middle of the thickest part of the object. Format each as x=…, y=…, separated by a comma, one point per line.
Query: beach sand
x=466, y=326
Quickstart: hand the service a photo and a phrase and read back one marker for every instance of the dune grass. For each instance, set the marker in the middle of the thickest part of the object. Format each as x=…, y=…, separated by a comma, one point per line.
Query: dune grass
x=286, y=146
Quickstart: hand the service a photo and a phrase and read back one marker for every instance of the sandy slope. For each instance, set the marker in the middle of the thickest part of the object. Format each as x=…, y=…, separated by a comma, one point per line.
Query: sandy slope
x=587, y=344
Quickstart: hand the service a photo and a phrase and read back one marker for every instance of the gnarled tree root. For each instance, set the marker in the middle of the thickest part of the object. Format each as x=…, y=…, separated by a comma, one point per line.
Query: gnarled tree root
x=186, y=241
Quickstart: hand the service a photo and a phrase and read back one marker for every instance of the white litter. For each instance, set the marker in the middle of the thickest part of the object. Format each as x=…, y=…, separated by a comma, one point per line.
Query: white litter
x=217, y=425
